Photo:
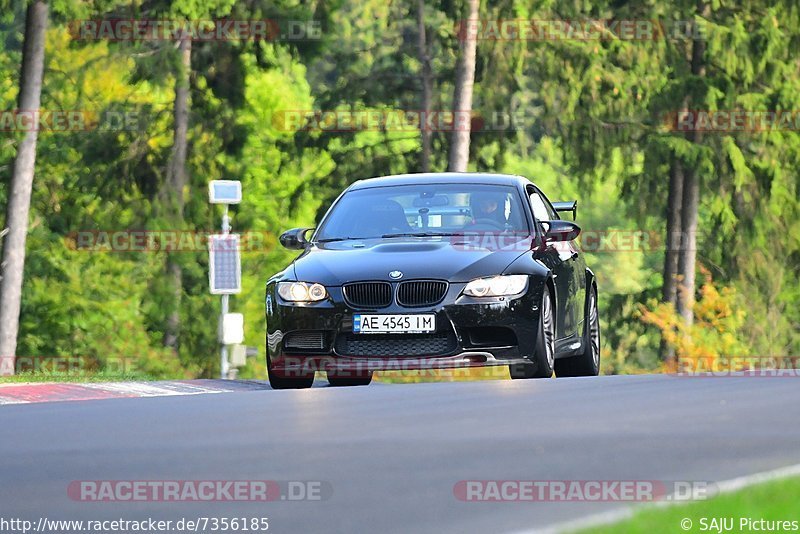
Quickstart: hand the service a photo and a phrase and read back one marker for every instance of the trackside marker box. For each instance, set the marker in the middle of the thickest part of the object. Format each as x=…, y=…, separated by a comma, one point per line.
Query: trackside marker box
x=231, y=329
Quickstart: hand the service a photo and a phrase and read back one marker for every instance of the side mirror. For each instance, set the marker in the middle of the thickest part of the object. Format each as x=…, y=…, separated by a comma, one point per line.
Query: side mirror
x=569, y=205
x=560, y=231
x=295, y=239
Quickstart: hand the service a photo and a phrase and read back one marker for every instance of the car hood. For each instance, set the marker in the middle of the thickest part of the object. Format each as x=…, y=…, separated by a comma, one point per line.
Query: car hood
x=449, y=258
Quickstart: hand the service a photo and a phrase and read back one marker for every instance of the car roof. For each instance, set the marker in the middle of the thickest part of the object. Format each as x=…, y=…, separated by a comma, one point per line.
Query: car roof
x=441, y=178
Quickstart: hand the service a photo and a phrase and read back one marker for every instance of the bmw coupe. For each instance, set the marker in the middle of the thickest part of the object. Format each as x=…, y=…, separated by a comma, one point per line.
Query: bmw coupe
x=424, y=271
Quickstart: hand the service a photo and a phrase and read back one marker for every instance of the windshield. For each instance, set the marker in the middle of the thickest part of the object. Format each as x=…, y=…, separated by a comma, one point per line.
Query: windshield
x=424, y=209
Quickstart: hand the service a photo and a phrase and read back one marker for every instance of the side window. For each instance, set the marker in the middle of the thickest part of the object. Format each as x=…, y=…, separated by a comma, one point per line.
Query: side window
x=549, y=207
x=540, y=209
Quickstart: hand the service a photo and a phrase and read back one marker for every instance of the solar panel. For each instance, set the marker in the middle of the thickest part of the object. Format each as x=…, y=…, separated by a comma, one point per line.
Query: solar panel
x=225, y=264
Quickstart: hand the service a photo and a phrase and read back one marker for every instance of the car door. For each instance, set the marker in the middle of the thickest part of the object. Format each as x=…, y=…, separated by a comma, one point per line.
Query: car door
x=561, y=258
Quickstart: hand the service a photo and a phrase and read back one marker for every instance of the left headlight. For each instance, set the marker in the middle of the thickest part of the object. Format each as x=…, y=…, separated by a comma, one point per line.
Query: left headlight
x=301, y=291
x=497, y=286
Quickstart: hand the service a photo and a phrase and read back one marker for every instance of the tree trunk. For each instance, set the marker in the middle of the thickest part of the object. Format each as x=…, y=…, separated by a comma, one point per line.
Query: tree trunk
x=672, y=242
x=19, y=195
x=462, y=97
x=688, y=253
x=427, y=88
x=176, y=182
x=691, y=198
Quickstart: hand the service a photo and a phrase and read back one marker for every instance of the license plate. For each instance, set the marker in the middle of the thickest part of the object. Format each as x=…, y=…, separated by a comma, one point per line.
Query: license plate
x=394, y=324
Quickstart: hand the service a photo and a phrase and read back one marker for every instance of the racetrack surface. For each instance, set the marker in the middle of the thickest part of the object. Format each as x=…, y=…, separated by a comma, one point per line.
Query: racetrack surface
x=393, y=453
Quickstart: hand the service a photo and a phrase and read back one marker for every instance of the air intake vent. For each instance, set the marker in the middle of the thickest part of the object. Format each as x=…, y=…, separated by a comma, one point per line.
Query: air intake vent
x=305, y=340
x=389, y=345
x=416, y=293
x=368, y=294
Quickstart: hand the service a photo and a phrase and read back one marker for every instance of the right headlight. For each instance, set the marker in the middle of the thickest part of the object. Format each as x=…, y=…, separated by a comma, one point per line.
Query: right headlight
x=497, y=286
x=301, y=291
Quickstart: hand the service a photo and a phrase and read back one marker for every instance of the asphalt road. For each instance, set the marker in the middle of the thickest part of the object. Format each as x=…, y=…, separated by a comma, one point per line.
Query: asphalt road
x=391, y=454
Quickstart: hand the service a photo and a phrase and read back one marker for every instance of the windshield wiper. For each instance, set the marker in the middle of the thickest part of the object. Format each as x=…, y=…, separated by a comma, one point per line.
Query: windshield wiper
x=332, y=239
x=419, y=234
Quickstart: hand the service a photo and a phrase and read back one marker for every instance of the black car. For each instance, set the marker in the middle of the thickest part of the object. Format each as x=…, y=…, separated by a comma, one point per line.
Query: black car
x=424, y=271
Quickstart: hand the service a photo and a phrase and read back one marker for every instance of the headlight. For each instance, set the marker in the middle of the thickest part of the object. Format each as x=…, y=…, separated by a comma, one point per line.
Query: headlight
x=301, y=291
x=497, y=286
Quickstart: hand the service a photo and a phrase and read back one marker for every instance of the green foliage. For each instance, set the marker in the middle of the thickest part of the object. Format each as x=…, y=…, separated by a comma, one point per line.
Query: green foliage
x=713, y=336
x=89, y=306
x=759, y=506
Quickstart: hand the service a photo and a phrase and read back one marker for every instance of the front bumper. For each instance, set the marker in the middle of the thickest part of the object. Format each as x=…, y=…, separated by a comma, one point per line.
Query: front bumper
x=470, y=332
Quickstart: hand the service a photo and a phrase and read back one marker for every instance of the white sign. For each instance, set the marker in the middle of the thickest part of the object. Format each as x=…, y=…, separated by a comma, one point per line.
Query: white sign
x=231, y=329
x=224, y=191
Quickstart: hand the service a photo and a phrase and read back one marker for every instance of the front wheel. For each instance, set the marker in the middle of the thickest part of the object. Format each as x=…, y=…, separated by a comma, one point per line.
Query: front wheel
x=293, y=379
x=587, y=363
x=543, y=359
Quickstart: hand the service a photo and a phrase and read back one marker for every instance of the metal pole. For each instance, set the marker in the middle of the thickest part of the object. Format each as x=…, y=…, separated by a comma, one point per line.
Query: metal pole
x=223, y=353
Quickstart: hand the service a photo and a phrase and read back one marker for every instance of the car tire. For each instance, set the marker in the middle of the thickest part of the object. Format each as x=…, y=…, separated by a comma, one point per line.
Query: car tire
x=279, y=380
x=543, y=358
x=587, y=363
x=362, y=379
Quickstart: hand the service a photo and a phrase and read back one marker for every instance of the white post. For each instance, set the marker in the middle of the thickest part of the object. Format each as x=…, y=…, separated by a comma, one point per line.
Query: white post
x=224, y=192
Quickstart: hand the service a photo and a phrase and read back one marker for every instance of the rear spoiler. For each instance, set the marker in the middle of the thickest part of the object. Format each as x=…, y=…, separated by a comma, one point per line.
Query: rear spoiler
x=567, y=205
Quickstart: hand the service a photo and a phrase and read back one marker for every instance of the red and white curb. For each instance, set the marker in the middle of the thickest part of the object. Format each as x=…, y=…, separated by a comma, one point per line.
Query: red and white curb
x=34, y=393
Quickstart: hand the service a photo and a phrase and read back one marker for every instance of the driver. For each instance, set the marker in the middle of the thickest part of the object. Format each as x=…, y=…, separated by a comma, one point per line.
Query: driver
x=488, y=206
